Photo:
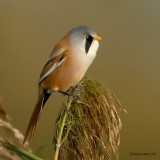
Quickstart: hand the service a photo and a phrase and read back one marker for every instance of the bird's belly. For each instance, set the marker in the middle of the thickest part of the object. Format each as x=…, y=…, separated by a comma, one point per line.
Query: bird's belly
x=69, y=73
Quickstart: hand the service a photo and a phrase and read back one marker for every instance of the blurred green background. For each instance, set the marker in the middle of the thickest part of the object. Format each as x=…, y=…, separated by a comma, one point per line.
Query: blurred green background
x=128, y=62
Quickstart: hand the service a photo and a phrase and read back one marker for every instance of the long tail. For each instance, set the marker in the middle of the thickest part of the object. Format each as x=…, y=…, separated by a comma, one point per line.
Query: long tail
x=42, y=98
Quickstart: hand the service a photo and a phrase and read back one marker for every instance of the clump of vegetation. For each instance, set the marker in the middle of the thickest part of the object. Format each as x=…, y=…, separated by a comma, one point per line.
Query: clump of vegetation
x=91, y=124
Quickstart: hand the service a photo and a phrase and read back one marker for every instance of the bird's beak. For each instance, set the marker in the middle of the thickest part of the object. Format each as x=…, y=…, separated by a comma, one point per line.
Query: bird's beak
x=97, y=38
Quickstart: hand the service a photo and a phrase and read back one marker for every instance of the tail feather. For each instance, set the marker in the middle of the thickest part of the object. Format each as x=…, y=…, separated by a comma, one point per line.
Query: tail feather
x=43, y=96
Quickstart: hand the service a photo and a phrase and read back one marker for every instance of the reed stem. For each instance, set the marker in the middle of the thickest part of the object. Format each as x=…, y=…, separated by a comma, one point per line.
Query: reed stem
x=18, y=151
x=59, y=138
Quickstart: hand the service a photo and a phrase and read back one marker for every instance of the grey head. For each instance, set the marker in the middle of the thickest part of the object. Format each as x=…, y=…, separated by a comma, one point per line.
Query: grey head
x=82, y=37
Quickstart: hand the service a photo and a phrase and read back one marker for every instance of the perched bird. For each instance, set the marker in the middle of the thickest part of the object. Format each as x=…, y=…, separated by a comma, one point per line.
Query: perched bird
x=65, y=67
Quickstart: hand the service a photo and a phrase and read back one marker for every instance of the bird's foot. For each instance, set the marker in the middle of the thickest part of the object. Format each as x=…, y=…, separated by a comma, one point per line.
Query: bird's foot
x=69, y=92
x=73, y=91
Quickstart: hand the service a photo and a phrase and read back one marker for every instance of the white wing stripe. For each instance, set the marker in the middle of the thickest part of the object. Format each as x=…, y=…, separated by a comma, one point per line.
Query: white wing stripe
x=62, y=50
x=51, y=70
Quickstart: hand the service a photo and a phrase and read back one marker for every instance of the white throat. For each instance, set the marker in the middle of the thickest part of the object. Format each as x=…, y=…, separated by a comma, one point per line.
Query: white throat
x=82, y=60
x=86, y=58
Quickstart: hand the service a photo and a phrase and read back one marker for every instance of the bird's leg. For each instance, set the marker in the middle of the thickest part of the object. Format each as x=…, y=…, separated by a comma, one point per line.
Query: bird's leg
x=64, y=93
x=70, y=92
x=75, y=91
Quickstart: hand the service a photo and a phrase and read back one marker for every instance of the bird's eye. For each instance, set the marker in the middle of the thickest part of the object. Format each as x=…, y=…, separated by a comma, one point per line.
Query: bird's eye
x=87, y=36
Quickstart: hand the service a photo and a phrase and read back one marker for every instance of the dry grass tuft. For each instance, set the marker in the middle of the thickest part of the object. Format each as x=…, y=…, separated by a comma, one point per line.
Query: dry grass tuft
x=92, y=124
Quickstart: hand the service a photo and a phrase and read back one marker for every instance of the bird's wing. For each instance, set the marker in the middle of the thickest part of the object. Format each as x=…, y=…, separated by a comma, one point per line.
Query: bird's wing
x=55, y=60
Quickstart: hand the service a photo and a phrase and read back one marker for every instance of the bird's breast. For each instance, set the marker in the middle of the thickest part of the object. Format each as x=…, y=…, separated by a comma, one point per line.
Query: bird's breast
x=71, y=71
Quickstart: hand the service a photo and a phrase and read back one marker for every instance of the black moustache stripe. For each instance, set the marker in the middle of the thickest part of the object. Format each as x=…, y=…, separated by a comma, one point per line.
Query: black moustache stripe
x=89, y=41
